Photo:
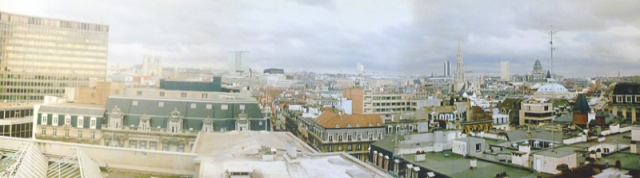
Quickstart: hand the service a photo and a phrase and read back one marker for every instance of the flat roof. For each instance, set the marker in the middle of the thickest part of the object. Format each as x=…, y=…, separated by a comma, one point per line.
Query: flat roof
x=458, y=166
x=555, y=153
x=245, y=142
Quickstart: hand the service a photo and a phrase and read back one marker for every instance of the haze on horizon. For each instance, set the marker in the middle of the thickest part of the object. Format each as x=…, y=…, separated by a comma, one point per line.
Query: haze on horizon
x=399, y=37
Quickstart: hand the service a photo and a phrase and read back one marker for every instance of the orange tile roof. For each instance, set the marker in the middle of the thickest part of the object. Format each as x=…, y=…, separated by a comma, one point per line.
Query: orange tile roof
x=329, y=119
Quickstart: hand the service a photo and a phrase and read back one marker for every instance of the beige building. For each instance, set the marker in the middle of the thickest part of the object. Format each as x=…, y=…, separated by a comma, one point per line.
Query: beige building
x=384, y=103
x=534, y=111
x=43, y=56
x=97, y=93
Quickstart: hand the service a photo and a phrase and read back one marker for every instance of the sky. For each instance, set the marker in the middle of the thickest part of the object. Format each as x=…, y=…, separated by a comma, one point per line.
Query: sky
x=408, y=37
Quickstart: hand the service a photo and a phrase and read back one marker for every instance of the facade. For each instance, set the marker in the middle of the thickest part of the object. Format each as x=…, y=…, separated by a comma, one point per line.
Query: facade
x=16, y=120
x=68, y=122
x=170, y=120
x=238, y=62
x=546, y=161
x=333, y=131
x=385, y=103
x=535, y=111
x=273, y=71
x=504, y=70
x=42, y=56
x=469, y=146
x=97, y=94
x=151, y=67
x=625, y=101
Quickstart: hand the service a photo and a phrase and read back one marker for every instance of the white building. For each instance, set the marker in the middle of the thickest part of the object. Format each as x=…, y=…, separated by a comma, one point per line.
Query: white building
x=546, y=161
x=238, y=61
x=504, y=70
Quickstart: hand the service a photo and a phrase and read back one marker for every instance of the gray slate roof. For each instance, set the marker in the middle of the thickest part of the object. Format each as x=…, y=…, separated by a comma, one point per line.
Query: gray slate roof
x=98, y=112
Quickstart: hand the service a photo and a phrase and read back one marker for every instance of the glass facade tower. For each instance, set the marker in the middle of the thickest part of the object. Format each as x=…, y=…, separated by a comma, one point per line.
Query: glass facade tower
x=43, y=56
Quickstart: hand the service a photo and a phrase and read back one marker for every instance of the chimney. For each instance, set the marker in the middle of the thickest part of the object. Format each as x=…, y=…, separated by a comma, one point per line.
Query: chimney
x=292, y=151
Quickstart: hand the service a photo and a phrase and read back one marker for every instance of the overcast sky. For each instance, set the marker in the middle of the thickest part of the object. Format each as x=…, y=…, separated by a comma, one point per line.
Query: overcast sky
x=387, y=36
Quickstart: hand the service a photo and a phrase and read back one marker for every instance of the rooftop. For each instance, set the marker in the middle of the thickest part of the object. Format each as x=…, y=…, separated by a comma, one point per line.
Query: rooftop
x=455, y=165
x=235, y=142
x=331, y=119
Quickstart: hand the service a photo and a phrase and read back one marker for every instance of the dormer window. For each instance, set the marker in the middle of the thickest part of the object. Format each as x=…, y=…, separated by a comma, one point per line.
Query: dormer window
x=349, y=125
x=628, y=99
x=357, y=125
x=619, y=99
x=337, y=125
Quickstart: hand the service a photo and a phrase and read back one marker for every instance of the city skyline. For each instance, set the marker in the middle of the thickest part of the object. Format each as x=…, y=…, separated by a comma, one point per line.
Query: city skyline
x=411, y=37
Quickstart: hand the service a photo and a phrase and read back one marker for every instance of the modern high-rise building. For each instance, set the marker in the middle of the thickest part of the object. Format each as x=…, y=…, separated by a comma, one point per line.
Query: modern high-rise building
x=238, y=61
x=359, y=68
x=459, y=80
x=43, y=56
x=447, y=69
x=504, y=70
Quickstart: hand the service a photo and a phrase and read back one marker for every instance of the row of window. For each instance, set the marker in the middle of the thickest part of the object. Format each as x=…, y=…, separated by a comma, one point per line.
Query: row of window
x=194, y=105
x=349, y=147
x=350, y=137
x=66, y=134
x=627, y=98
x=67, y=120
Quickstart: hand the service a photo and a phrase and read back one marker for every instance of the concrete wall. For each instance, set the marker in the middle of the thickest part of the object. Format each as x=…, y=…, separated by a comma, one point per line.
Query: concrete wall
x=635, y=134
x=118, y=158
x=548, y=164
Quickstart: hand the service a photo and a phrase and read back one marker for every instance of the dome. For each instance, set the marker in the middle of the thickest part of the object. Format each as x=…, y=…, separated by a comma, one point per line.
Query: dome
x=551, y=88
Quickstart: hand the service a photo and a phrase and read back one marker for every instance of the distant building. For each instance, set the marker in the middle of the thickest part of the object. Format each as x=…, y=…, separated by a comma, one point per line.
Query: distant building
x=96, y=94
x=73, y=53
x=359, y=68
x=273, y=71
x=459, y=80
x=366, y=101
x=535, y=111
x=213, y=86
x=537, y=75
x=151, y=67
x=447, y=69
x=504, y=70
x=16, y=120
x=625, y=101
x=238, y=62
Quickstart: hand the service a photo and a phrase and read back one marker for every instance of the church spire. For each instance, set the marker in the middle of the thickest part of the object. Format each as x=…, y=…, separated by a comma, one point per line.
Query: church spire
x=459, y=75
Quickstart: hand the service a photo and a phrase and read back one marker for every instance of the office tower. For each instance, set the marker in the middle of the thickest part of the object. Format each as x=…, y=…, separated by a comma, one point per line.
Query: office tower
x=43, y=56
x=459, y=80
x=359, y=68
x=504, y=70
x=238, y=61
x=447, y=69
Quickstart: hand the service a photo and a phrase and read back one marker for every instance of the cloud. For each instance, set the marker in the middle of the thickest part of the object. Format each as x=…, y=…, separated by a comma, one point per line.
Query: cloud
x=406, y=37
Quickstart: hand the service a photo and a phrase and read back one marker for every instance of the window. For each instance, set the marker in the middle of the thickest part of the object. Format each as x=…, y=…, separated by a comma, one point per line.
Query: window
x=44, y=132
x=193, y=105
x=139, y=93
x=135, y=103
x=133, y=144
x=359, y=135
x=358, y=147
x=349, y=148
x=153, y=145
x=349, y=137
x=44, y=119
x=330, y=138
x=93, y=123
x=619, y=99
x=184, y=95
x=389, y=129
x=55, y=132
x=143, y=145
x=628, y=99
x=67, y=118
x=209, y=106
x=337, y=125
x=79, y=135
x=224, y=107
x=162, y=93
x=80, y=121
x=340, y=137
x=478, y=147
x=546, y=108
x=54, y=121
x=638, y=98
x=242, y=107
x=93, y=135
x=330, y=148
x=204, y=95
x=379, y=135
x=66, y=134
x=160, y=104
x=370, y=136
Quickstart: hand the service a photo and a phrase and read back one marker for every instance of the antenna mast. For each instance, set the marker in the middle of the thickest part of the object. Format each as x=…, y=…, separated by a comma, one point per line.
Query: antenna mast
x=552, y=48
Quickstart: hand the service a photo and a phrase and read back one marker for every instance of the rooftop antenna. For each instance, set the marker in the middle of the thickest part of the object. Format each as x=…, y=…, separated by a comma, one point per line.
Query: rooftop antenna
x=551, y=33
